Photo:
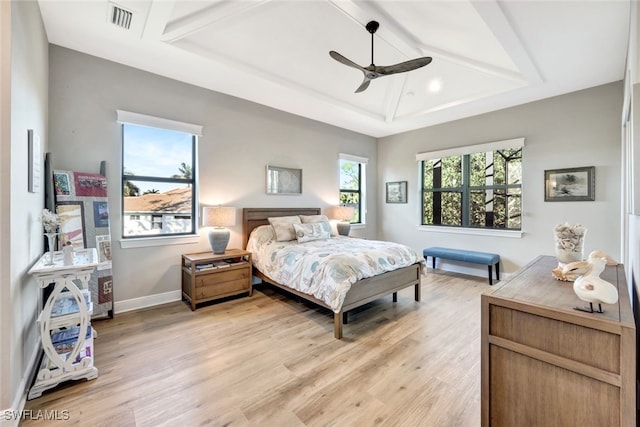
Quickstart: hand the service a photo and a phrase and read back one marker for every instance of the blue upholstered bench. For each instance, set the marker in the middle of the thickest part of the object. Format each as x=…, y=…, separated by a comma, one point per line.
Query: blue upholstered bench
x=466, y=256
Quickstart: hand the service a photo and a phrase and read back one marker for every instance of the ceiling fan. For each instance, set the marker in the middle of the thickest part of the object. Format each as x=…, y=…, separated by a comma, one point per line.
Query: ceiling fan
x=374, y=71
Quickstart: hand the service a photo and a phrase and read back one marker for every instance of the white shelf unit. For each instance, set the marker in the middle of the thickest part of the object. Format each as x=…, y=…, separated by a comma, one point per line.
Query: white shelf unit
x=68, y=308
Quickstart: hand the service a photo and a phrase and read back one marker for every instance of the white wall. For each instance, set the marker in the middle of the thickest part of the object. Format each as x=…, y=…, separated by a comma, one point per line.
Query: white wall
x=577, y=129
x=632, y=93
x=21, y=227
x=239, y=139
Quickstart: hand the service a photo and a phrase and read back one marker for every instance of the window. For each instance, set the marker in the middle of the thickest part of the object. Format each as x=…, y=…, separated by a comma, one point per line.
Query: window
x=158, y=176
x=352, y=185
x=479, y=189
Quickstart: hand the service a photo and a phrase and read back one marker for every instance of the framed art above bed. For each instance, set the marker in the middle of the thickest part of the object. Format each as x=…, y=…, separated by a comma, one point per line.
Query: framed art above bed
x=282, y=180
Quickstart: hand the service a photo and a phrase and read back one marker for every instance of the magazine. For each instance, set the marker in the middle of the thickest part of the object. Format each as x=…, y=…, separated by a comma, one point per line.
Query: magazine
x=67, y=304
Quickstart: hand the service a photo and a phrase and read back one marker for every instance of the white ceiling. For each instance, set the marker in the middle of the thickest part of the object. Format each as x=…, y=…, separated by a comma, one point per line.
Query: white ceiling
x=487, y=54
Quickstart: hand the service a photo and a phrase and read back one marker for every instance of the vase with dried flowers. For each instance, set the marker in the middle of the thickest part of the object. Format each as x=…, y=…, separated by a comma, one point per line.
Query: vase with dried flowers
x=50, y=222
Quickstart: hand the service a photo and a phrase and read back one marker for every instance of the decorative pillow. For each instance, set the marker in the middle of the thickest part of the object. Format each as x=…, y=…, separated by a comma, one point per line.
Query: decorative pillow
x=310, y=232
x=262, y=234
x=283, y=227
x=318, y=219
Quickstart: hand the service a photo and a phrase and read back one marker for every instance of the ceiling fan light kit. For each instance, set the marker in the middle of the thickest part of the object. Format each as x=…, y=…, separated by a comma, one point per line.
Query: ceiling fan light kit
x=374, y=71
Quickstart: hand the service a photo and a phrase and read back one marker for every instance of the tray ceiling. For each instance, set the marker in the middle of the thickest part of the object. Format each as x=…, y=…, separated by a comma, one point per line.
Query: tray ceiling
x=486, y=54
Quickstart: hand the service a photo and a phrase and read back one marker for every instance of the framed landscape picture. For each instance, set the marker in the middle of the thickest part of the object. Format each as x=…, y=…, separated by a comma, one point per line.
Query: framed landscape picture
x=570, y=185
x=397, y=192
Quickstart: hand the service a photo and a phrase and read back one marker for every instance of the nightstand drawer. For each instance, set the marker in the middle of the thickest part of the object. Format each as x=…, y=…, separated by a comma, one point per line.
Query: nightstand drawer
x=222, y=289
x=220, y=277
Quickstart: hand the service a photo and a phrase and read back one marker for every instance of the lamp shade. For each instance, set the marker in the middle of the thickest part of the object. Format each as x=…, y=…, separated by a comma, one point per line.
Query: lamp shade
x=218, y=217
x=342, y=213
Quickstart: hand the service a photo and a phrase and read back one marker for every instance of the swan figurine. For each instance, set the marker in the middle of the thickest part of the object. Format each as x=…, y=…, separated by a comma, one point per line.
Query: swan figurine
x=588, y=286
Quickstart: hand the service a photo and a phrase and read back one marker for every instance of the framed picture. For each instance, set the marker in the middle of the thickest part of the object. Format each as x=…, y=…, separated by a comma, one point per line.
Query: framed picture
x=570, y=185
x=282, y=180
x=397, y=192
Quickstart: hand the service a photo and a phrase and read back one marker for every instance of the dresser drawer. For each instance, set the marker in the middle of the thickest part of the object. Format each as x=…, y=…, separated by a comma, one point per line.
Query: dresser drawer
x=592, y=347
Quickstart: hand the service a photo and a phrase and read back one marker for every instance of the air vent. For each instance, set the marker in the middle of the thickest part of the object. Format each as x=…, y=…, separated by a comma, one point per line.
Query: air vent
x=120, y=17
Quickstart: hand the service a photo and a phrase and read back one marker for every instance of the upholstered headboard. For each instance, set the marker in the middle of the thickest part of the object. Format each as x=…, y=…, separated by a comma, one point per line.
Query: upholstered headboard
x=254, y=217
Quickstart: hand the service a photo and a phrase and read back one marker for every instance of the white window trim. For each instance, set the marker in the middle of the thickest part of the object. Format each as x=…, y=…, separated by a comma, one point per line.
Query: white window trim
x=490, y=232
x=157, y=122
x=471, y=149
x=352, y=158
x=146, y=242
x=128, y=117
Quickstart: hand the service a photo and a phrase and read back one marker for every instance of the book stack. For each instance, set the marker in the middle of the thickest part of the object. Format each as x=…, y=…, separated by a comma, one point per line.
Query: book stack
x=212, y=265
x=67, y=304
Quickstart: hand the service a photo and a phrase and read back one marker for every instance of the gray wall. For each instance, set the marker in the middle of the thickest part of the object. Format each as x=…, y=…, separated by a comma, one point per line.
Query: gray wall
x=577, y=129
x=240, y=139
x=22, y=232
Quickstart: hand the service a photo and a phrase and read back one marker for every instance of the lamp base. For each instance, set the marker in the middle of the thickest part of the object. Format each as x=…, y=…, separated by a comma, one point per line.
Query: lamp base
x=219, y=239
x=343, y=227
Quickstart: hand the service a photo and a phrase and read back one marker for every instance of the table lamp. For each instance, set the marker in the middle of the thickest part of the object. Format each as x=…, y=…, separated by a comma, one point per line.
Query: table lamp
x=343, y=214
x=219, y=217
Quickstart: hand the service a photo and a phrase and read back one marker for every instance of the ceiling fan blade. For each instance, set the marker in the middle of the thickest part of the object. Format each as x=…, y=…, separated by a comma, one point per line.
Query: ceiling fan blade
x=335, y=55
x=363, y=85
x=403, y=66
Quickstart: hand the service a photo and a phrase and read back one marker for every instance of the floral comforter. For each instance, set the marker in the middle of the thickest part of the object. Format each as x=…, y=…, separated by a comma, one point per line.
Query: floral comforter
x=327, y=268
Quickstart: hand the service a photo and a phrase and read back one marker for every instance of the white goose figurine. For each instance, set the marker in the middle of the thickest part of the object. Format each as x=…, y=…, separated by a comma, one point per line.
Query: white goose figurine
x=589, y=286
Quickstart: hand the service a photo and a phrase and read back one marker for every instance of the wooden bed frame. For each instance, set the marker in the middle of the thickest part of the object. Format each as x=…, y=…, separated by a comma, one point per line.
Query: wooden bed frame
x=361, y=292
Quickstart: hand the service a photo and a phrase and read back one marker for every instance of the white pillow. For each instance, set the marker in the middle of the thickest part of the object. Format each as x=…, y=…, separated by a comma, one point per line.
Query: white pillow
x=283, y=227
x=310, y=232
x=318, y=219
x=262, y=234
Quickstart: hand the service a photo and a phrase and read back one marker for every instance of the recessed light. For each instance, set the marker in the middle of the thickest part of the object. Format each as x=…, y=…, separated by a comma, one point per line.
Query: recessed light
x=434, y=85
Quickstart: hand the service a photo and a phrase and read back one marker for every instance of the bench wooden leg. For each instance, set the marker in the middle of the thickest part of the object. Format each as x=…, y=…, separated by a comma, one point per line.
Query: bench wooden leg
x=497, y=271
x=490, y=275
x=433, y=262
x=417, y=292
x=395, y=297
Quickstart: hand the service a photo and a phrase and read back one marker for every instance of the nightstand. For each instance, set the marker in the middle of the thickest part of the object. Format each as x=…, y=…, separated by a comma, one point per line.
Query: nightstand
x=207, y=277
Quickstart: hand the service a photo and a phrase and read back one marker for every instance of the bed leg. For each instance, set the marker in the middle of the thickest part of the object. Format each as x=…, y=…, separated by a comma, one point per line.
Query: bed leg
x=417, y=292
x=337, y=325
x=395, y=297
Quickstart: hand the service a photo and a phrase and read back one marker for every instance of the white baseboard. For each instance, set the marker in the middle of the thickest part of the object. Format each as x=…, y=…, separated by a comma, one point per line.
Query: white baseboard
x=11, y=417
x=453, y=267
x=148, y=301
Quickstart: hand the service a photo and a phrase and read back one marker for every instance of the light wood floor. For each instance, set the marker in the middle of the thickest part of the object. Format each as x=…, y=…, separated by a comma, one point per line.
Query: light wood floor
x=270, y=360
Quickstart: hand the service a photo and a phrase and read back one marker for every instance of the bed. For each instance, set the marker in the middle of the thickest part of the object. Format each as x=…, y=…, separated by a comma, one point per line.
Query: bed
x=359, y=293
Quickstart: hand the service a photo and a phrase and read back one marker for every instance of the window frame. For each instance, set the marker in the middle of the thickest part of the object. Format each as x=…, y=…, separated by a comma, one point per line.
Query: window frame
x=465, y=188
x=361, y=191
x=195, y=131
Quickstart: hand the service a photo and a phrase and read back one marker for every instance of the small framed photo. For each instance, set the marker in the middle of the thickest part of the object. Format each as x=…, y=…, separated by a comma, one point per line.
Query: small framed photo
x=397, y=192
x=282, y=180
x=570, y=185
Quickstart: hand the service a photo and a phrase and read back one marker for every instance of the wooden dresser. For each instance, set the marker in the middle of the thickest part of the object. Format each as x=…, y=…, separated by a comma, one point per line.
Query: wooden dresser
x=546, y=364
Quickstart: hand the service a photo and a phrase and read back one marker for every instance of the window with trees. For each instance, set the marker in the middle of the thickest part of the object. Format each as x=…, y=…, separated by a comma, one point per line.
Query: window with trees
x=158, y=176
x=479, y=189
x=352, y=184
